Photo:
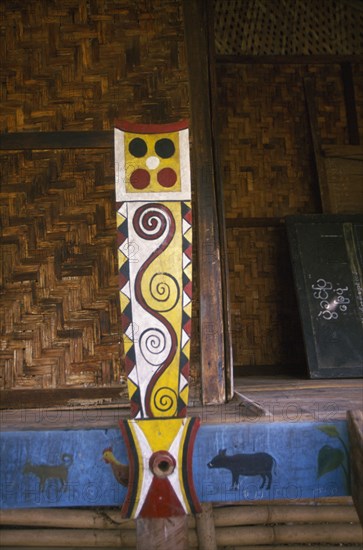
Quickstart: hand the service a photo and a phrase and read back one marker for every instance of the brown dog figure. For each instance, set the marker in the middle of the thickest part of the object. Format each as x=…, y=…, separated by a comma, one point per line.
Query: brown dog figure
x=45, y=472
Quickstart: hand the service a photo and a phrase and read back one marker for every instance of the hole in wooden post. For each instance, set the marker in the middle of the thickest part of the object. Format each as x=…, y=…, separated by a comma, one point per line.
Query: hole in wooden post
x=162, y=464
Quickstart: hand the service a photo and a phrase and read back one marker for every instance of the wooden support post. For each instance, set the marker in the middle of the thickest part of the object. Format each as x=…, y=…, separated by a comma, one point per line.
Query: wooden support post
x=226, y=300
x=319, y=161
x=350, y=104
x=206, y=528
x=162, y=533
x=212, y=329
x=355, y=431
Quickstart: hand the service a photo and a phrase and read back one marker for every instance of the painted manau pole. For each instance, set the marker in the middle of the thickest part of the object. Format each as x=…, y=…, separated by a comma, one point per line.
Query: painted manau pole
x=155, y=269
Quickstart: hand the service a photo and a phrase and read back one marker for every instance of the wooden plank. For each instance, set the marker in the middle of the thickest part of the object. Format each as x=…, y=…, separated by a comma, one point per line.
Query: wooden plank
x=355, y=432
x=350, y=104
x=56, y=140
x=63, y=468
x=220, y=203
x=162, y=533
x=203, y=174
x=286, y=398
x=352, y=152
x=289, y=59
x=314, y=131
x=25, y=399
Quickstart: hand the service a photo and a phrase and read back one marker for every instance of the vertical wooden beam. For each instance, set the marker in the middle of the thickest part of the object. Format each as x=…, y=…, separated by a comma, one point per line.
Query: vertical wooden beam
x=206, y=528
x=314, y=131
x=350, y=105
x=203, y=177
x=220, y=205
x=162, y=533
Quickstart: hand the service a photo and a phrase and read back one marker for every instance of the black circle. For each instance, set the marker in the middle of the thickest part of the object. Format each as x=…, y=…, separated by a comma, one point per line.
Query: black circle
x=138, y=147
x=164, y=465
x=164, y=148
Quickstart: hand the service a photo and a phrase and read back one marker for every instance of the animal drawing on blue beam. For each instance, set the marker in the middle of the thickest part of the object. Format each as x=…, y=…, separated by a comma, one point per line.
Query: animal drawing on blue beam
x=120, y=471
x=47, y=472
x=255, y=464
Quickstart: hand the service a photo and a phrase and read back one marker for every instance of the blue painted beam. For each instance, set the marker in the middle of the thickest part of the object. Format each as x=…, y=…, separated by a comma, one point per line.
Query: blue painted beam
x=64, y=468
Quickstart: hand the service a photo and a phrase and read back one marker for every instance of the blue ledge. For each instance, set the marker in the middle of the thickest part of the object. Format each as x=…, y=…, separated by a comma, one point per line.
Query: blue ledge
x=64, y=468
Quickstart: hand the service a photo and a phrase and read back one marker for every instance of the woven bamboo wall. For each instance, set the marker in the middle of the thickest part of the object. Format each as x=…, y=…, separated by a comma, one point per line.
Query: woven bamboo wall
x=265, y=141
x=289, y=27
x=74, y=65
x=268, y=173
x=265, y=323
x=77, y=65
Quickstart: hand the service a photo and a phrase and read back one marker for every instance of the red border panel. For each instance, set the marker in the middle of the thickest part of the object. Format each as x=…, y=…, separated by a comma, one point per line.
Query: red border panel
x=140, y=128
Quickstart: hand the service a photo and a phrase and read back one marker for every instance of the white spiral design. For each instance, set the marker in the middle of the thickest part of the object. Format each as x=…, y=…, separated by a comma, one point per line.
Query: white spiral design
x=154, y=222
x=153, y=346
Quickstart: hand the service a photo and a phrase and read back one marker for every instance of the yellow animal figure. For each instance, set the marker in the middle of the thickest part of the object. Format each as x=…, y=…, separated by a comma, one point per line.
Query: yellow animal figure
x=120, y=471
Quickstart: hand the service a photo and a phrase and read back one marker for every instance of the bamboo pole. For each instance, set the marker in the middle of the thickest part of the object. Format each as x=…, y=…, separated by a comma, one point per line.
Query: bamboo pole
x=206, y=528
x=79, y=538
x=66, y=518
x=257, y=535
x=233, y=515
x=333, y=533
x=252, y=515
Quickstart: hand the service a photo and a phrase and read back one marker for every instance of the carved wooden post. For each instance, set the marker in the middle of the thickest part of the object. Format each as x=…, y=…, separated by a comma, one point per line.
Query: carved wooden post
x=155, y=271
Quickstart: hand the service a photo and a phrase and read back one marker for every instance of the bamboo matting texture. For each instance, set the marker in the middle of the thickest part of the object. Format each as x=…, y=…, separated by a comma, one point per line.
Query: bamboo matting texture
x=79, y=65
x=288, y=27
x=265, y=322
x=75, y=66
x=267, y=166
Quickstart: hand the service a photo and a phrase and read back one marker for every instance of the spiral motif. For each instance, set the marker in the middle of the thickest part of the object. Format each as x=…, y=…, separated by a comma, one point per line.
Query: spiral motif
x=151, y=222
x=164, y=288
x=153, y=346
x=165, y=401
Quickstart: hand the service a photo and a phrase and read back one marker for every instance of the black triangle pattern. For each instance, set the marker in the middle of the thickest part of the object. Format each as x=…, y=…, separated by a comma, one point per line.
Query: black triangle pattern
x=184, y=360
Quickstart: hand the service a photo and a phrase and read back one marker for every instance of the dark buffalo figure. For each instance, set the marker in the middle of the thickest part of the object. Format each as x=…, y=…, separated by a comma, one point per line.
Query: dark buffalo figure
x=256, y=464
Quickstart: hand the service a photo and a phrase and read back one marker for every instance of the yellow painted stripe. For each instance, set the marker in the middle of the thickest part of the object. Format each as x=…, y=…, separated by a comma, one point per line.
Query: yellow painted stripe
x=160, y=433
